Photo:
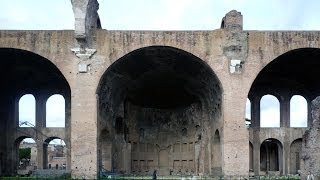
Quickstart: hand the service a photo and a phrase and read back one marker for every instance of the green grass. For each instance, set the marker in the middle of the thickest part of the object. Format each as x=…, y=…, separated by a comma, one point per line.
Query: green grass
x=162, y=178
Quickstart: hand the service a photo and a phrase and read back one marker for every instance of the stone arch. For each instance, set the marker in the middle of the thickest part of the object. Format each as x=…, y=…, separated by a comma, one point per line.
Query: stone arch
x=60, y=149
x=290, y=72
x=295, y=156
x=281, y=53
x=27, y=111
x=269, y=111
x=271, y=156
x=15, y=153
x=56, y=112
x=298, y=111
x=26, y=72
x=123, y=55
x=23, y=62
x=39, y=53
x=157, y=89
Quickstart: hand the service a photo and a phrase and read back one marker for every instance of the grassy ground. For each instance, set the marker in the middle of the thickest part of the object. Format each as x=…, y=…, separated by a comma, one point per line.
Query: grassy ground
x=166, y=178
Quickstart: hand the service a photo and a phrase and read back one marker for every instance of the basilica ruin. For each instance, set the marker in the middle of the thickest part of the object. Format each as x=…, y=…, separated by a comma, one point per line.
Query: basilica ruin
x=171, y=101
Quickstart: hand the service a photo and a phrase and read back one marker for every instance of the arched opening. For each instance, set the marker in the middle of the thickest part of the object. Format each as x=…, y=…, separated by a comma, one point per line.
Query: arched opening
x=26, y=155
x=271, y=157
x=27, y=111
x=295, y=156
x=146, y=98
x=248, y=113
x=217, y=155
x=55, y=153
x=269, y=111
x=55, y=111
x=28, y=74
x=298, y=111
x=291, y=73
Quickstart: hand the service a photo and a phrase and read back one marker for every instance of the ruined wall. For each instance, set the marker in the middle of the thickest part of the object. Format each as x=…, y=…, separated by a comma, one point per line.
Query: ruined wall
x=175, y=132
x=25, y=54
x=310, y=145
x=173, y=141
x=216, y=48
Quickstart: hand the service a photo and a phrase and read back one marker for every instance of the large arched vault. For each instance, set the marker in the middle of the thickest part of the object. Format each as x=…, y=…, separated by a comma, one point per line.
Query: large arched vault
x=24, y=72
x=159, y=100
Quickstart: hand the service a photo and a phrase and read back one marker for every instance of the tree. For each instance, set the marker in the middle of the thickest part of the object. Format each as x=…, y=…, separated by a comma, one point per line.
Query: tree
x=25, y=153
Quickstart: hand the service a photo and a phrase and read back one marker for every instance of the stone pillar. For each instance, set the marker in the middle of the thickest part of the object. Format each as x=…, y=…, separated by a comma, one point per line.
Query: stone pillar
x=40, y=113
x=235, y=135
x=40, y=123
x=286, y=157
x=309, y=123
x=40, y=155
x=255, y=112
x=285, y=111
x=256, y=151
x=84, y=152
x=84, y=127
x=11, y=150
x=12, y=159
x=68, y=129
x=235, y=141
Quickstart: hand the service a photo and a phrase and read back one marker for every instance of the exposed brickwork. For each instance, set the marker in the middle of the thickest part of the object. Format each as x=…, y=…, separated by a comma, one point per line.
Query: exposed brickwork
x=214, y=49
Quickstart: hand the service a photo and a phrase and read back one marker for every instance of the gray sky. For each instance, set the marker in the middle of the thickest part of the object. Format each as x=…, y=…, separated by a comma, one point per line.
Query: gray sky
x=164, y=14
x=168, y=15
x=55, y=110
x=270, y=111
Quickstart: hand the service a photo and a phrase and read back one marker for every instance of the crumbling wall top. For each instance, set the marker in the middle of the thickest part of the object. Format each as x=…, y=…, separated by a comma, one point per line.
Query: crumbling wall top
x=232, y=21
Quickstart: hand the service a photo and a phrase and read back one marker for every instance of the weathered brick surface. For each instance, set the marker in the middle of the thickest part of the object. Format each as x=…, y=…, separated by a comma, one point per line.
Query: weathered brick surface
x=215, y=48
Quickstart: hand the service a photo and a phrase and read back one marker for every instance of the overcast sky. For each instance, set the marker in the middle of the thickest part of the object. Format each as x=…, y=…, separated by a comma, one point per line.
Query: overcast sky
x=168, y=15
x=164, y=14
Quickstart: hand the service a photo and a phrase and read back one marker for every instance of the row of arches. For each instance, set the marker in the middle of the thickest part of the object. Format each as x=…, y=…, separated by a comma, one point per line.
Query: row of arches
x=49, y=154
x=273, y=156
x=35, y=102
x=270, y=111
x=157, y=89
x=54, y=110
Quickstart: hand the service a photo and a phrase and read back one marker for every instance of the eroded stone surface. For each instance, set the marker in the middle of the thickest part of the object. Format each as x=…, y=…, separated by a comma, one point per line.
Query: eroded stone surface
x=310, y=145
x=117, y=120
